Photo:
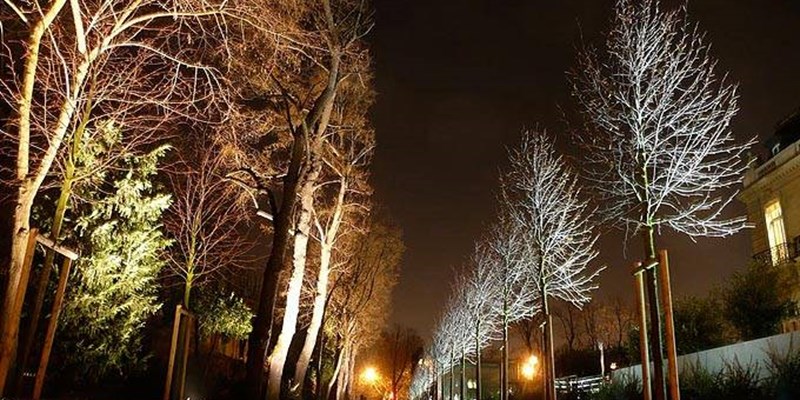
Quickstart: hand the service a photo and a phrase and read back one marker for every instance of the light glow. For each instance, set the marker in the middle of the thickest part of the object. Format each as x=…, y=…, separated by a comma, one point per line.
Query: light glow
x=529, y=368
x=370, y=375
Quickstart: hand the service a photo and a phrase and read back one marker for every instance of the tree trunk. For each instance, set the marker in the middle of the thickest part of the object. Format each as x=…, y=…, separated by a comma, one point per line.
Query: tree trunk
x=260, y=335
x=656, y=336
x=478, y=385
x=335, y=376
x=463, y=374
x=302, y=230
x=550, y=374
x=9, y=319
x=316, y=317
x=44, y=275
x=320, y=354
x=438, y=385
x=62, y=204
x=504, y=383
x=326, y=250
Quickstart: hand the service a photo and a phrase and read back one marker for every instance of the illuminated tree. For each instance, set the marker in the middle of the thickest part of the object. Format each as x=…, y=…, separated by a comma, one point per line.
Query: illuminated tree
x=204, y=219
x=540, y=195
x=304, y=52
x=340, y=205
x=64, y=53
x=658, y=143
x=481, y=297
x=512, y=260
x=360, y=297
x=114, y=289
x=223, y=315
x=396, y=354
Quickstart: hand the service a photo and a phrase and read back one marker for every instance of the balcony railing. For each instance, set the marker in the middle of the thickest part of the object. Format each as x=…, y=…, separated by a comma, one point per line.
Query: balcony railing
x=780, y=254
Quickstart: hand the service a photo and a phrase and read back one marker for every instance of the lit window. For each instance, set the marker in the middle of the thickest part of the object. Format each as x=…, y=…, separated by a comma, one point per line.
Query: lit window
x=775, y=231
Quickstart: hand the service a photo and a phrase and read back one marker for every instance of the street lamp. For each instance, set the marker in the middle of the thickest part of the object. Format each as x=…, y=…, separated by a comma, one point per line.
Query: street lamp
x=529, y=367
x=370, y=375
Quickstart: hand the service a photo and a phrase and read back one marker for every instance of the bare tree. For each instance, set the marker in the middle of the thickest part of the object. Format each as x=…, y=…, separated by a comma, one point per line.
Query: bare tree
x=481, y=296
x=340, y=209
x=397, y=353
x=309, y=49
x=544, y=202
x=360, y=297
x=659, y=145
x=204, y=220
x=529, y=330
x=621, y=320
x=517, y=299
x=568, y=316
x=61, y=55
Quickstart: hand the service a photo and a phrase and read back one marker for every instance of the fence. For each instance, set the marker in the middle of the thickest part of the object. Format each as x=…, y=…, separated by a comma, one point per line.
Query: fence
x=755, y=353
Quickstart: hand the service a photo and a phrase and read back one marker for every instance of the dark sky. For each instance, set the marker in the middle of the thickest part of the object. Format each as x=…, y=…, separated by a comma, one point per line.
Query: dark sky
x=458, y=80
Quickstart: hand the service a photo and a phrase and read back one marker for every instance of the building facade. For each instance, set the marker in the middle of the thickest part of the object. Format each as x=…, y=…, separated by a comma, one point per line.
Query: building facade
x=772, y=195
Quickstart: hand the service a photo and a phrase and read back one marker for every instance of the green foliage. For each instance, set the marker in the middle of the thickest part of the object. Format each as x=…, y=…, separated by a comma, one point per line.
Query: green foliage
x=113, y=290
x=622, y=388
x=224, y=315
x=785, y=376
x=754, y=303
x=735, y=381
x=699, y=324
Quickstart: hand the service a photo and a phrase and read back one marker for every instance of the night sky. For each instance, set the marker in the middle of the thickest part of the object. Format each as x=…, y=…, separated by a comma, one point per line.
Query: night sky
x=457, y=80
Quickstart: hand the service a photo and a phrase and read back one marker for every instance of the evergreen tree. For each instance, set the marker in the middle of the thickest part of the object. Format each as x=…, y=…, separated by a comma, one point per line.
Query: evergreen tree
x=114, y=288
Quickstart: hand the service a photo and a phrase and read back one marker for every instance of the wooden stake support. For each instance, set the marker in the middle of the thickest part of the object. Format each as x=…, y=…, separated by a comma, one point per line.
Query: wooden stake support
x=177, y=325
x=666, y=302
x=51, y=328
x=641, y=307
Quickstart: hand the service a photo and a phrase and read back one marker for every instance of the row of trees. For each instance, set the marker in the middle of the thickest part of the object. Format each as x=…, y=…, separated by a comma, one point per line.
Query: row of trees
x=658, y=154
x=539, y=250
x=154, y=137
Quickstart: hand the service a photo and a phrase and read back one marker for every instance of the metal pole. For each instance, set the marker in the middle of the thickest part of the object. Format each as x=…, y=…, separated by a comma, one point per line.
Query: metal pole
x=602, y=360
x=669, y=322
x=51, y=328
x=641, y=308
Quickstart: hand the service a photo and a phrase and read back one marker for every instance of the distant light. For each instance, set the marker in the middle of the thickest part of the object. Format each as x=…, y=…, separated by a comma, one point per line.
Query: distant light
x=471, y=384
x=529, y=368
x=613, y=366
x=370, y=375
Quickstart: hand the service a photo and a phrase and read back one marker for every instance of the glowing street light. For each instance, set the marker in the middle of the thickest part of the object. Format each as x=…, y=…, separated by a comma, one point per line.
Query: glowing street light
x=529, y=368
x=370, y=375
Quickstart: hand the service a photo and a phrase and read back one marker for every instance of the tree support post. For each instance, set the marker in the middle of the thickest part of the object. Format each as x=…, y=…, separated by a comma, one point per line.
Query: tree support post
x=51, y=328
x=641, y=308
x=669, y=327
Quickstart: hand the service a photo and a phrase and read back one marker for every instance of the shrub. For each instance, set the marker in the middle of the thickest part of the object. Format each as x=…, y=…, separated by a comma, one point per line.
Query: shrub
x=623, y=388
x=784, y=382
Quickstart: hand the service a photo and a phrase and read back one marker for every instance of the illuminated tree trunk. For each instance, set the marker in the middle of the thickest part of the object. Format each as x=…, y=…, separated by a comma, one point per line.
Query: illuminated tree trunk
x=315, y=125
x=29, y=183
x=316, y=317
x=504, y=383
x=262, y=324
x=336, y=371
x=550, y=359
x=478, y=384
x=452, y=374
x=463, y=374
x=62, y=204
x=326, y=250
x=656, y=336
x=44, y=275
x=279, y=353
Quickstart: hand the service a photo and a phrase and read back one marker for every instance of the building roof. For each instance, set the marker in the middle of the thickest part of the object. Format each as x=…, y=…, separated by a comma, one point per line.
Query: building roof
x=786, y=133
